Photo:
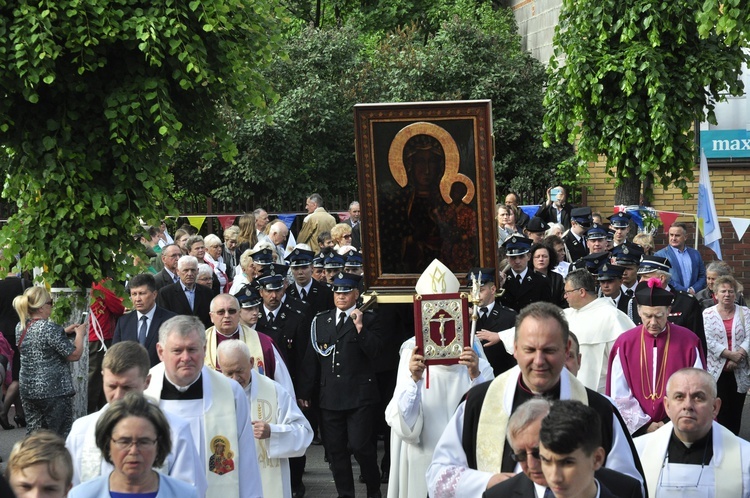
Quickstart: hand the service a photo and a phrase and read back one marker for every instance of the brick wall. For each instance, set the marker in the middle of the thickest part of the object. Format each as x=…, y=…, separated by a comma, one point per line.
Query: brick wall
x=731, y=187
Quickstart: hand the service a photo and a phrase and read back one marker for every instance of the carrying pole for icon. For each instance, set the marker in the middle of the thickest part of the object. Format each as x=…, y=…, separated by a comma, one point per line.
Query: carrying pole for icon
x=474, y=299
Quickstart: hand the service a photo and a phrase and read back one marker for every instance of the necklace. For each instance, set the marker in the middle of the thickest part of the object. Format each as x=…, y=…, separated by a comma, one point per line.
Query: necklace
x=661, y=378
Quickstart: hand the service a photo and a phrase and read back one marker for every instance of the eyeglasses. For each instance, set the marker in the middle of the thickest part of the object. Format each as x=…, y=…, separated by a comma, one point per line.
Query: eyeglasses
x=230, y=311
x=566, y=292
x=521, y=456
x=125, y=444
x=347, y=236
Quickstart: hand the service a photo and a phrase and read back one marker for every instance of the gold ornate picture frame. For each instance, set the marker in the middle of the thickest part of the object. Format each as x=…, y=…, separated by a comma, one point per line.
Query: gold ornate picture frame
x=427, y=189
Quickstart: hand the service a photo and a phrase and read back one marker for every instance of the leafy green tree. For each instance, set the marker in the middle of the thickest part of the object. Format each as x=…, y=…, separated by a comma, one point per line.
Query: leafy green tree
x=308, y=144
x=628, y=79
x=96, y=97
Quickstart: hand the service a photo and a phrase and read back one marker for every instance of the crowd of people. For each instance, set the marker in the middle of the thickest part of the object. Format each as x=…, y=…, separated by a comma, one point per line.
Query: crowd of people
x=602, y=367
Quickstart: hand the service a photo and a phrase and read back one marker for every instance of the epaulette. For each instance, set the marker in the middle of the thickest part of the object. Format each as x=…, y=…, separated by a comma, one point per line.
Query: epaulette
x=321, y=312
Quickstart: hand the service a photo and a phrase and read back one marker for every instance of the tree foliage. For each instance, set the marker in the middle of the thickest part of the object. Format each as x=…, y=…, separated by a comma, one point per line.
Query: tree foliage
x=308, y=145
x=636, y=75
x=96, y=97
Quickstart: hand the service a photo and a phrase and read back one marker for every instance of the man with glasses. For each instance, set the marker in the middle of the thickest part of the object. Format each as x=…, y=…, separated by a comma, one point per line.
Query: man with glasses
x=225, y=315
x=691, y=455
x=186, y=297
x=522, y=285
x=170, y=254
x=596, y=322
x=470, y=458
x=523, y=437
x=142, y=324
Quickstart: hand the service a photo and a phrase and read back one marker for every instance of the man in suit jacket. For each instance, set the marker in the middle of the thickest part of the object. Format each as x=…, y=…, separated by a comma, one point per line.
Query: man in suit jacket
x=556, y=210
x=523, y=435
x=170, y=254
x=688, y=271
x=142, y=324
x=493, y=317
x=185, y=297
x=522, y=285
x=346, y=342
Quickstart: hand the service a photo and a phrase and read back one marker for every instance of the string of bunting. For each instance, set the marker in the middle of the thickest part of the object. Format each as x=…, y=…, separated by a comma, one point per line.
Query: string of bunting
x=740, y=225
x=227, y=220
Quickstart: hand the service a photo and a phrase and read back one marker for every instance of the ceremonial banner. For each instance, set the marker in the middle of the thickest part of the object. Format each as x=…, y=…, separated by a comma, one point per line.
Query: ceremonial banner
x=707, y=210
x=427, y=189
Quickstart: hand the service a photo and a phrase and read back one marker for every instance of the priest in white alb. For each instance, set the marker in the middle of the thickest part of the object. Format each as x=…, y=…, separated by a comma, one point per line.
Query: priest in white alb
x=215, y=407
x=417, y=413
x=125, y=369
x=596, y=322
x=281, y=430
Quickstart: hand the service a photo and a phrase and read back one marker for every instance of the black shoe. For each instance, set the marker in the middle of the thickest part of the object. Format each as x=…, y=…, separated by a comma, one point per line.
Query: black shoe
x=5, y=424
x=299, y=491
x=20, y=421
x=317, y=441
x=384, y=477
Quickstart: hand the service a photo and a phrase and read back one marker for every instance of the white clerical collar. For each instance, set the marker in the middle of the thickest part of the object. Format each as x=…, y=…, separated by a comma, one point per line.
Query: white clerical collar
x=230, y=335
x=179, y=388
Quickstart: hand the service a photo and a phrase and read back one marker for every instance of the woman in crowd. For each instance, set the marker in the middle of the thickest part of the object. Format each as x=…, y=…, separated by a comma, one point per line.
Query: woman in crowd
x=248, y=236
x=543, y=260
x=10, y=287
x=247, y=274
x=646, y=241
x=558, y=245
x=728, y=341
x=231, y=256
x=133, y=436
x=46, y=385
x=506, y=223
x=714, y=270
x=341, y=235
x=213, y=258
x=205, y=275
x=40, y=466
x=180, y=238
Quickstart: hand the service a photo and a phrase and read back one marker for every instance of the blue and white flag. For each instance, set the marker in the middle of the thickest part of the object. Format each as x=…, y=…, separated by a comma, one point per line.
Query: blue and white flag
x=708, y=220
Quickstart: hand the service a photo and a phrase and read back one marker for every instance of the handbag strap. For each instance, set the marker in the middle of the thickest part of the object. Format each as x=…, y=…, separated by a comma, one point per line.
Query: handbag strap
x=28, y=326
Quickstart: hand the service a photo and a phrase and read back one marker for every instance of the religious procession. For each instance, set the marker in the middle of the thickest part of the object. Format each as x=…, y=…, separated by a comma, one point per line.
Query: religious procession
x=402, y=249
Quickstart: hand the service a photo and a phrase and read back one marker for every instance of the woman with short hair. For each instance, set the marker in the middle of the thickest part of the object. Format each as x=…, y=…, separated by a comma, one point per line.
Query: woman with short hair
x=133, y=436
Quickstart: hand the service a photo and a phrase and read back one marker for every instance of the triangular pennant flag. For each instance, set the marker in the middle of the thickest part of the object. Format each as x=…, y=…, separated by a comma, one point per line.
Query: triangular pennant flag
x=740, y=226
x=288, y=219
x=667, y=218
x=227, y=220
x=196, y=221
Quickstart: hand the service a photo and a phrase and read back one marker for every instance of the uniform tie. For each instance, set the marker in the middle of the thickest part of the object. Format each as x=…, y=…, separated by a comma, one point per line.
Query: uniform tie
x=519, y=279
x=270, y=318
x=303, y=294
x=483, y=310
x=143, y=332
x=629, y=292
x=342, y=319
